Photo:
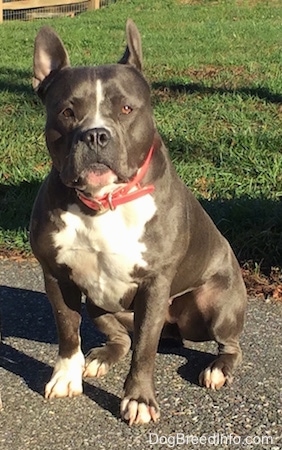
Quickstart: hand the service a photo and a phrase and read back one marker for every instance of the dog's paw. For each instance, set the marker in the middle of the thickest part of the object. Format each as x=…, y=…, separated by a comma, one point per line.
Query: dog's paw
x=99, y=360
x=96, y=368
x=138, y=413
x=214, y=378
x=66, y=380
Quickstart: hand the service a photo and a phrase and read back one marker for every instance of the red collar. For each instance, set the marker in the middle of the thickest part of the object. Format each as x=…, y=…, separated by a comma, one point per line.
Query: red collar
x=123, y=194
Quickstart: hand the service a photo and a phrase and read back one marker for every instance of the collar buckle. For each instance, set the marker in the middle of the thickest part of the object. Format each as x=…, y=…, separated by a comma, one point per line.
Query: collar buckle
x=110, y=201
x=100, y=205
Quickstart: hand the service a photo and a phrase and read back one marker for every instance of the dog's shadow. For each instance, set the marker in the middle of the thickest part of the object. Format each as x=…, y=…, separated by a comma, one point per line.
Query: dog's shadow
x=197, y=360
x=28, y=315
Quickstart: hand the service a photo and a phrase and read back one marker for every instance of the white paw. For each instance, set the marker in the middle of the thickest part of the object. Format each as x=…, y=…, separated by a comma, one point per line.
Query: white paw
x=96, y=368
x=66, y=379
x=137, y=413
x=212, y=378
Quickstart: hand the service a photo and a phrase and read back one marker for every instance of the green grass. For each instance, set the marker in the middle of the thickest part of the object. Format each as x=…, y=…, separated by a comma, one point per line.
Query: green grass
x=216, y=75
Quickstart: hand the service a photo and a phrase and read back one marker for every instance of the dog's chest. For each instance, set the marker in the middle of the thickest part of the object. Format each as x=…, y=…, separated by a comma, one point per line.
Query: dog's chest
x=102, y=251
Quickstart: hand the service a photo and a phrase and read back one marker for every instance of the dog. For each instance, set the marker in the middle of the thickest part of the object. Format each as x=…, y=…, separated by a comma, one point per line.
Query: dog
x=113, y=221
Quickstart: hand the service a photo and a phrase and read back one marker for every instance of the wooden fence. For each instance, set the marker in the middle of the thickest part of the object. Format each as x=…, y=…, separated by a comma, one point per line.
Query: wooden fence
x=41, y=7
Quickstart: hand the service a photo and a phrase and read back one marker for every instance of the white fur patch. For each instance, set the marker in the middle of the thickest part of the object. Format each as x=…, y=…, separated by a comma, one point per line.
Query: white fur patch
x=98, y=121
x=66, y=380
x=103, y=250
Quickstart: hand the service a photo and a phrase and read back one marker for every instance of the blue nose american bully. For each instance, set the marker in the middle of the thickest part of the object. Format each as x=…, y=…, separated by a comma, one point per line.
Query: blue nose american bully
x=114, y=222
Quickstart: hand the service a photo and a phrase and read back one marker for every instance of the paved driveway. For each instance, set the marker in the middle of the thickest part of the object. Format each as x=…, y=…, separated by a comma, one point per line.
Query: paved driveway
x=247, y=413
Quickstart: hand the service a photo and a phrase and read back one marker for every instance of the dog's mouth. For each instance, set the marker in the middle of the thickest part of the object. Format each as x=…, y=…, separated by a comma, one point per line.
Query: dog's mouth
x=94, y=179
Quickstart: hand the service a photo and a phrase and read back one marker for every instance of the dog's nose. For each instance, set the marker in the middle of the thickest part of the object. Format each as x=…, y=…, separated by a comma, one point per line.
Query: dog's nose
x=97, y=137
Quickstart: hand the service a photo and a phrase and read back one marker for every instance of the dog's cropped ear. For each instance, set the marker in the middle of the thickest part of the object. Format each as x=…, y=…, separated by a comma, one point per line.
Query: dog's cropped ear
x=49, y=55
x=133, y=51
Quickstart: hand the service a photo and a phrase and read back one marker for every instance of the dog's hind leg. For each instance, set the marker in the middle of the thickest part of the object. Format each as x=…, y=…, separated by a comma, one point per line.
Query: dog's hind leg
x=100, y=359
x=225, y=326
x=213, y=312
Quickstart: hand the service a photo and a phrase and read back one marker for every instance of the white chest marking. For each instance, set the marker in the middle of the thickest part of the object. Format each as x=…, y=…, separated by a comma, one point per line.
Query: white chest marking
x=103, y=250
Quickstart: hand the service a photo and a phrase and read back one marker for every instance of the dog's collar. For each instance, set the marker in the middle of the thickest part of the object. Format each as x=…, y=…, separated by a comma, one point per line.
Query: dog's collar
x=123, y=194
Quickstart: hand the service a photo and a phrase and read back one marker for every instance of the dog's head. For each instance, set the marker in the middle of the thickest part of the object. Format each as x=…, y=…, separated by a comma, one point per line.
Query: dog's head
x=99, y=125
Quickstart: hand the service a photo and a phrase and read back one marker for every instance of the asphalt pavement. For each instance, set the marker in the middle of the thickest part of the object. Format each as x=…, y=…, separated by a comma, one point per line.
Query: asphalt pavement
x=245, y=415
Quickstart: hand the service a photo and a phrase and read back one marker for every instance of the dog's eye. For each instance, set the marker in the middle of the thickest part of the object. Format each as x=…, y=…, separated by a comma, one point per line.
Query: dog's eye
x=68, y=112
x=126, y=109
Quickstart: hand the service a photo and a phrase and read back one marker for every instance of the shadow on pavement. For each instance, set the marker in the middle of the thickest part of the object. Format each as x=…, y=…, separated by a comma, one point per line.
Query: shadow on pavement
x=35, y=373
x=26, y=314
x=197, y=360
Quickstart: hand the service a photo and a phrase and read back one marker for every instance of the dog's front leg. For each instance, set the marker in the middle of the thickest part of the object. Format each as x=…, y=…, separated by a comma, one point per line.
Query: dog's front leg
x=66, y=380
x=150, y=305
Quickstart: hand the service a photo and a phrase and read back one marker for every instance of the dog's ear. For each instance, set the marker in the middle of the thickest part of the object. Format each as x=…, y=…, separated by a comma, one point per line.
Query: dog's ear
x=133, y=51
x=49, y=55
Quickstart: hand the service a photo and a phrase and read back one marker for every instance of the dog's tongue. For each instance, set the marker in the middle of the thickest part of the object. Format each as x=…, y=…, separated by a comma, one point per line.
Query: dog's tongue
x=101, y=179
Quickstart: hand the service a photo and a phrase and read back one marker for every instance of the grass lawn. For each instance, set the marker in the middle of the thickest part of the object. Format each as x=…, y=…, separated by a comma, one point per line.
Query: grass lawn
x=216, y=73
